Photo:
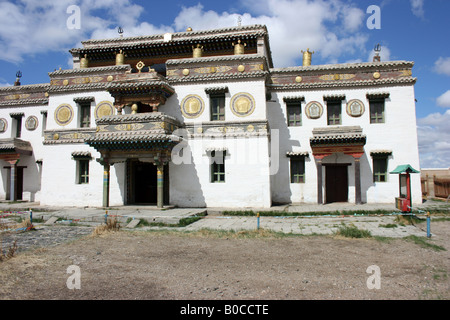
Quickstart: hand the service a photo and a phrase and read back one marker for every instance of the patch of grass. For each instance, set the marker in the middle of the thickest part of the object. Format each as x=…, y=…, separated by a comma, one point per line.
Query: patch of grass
x=408, y=220
x=245, y=213
x=9, y=253
x=183, y=222
x=112, y=225
x=352, y=232
x=424, y=243
x=389, y=225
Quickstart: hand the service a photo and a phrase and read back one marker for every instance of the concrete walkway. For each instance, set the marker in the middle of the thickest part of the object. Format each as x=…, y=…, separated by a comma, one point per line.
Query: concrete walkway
x=215, y=220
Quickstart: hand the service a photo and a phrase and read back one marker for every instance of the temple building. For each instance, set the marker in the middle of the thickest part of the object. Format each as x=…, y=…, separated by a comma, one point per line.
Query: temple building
x=204, y=119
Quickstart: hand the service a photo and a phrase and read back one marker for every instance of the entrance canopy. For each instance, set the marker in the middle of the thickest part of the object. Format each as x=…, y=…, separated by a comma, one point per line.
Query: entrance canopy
x=405, y=168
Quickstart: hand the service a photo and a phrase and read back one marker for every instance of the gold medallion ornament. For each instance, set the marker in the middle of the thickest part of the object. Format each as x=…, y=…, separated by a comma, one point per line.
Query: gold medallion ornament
x=65, y=82
x=298, y=79
x=376, y=75
x=242, y=104
x=110, y=78
x=63, y=114
x=186, y=72
x=104, y=108
x=192, y=106
x=355, y=108
x=314, y=110
x=241, y=68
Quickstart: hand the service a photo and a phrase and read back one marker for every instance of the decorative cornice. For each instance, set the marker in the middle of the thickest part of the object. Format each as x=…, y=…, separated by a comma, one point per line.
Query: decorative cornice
x=342, y=84
x=346, y=67
x=218, y=77
x=177, y=36
x=337, y=135
x=24, y=102
x=202, y=60
x=84, y=71
x=41, y=87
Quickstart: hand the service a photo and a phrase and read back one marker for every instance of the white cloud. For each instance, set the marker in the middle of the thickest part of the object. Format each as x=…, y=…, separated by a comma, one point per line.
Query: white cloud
x=444, y=100
x=442, y=66
x=417, y=8
x=293, y=26
x=334, y=29
x=434, y=140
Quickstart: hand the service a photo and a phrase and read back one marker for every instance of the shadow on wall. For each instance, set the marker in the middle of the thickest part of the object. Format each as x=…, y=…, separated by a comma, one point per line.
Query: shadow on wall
x=185, y=185
x=281, y=179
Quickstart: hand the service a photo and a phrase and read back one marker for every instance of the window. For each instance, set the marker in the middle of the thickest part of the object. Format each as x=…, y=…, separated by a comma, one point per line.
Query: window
x=334, y=112
x=294, y=114
x=217, y=102
x=16, y=129
x=298, y=170
x=380, y=169
x=44, y=121
x=83, y=171
x=217, y=166
x=85, y=115
x=376, y=110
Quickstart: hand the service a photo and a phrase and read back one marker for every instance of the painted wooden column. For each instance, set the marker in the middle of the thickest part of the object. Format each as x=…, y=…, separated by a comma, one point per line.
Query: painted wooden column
x=106, y=176
x=13, y=185
x=160, y=185
x=358, y=180
x=319, y=180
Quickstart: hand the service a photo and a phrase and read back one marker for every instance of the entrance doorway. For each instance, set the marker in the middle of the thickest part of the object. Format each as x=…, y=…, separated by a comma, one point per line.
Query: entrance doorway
x=142, y=183
x=336, y=183
x=18, y=183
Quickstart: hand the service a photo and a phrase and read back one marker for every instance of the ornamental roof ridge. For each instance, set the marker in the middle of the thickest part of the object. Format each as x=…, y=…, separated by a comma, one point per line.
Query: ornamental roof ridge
x=26, y=87
x=184, y=34
x=345, y=66
x=24, y=102
x=253, y=56
x=90, y=70
x=215, y=77
x=359, y=83
x=120, y=118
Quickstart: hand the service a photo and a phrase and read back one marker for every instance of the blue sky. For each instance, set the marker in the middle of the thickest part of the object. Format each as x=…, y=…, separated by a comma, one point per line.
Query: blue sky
x=35, y=38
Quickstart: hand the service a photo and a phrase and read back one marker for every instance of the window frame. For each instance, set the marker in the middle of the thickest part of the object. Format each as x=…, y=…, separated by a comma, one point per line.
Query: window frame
x=297, y=171
x=217, y=167
x=296, y=106
x=83, y=170
x=334, y=104
x=378, y=173
x=217, y=102
x=84, y=110
x=374, y=103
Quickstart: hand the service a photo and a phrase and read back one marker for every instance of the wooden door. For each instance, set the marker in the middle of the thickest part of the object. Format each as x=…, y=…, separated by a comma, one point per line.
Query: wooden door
x=336, y=183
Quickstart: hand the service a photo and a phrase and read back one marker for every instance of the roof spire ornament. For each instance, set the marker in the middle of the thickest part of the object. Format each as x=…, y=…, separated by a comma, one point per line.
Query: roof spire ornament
x=239, y=21
x=120, y=31
x=376, y=57
x=307, y=55
x=18, y=76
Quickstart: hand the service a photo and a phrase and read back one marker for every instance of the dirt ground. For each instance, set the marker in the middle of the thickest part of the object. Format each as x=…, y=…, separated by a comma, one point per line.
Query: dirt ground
x=214, y=265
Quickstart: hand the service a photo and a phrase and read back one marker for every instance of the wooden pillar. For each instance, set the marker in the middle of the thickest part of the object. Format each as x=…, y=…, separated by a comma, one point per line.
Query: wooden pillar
x=160, y=185
x=13, y=185
x=319, y=181
x=358, y=180
x=106, y=169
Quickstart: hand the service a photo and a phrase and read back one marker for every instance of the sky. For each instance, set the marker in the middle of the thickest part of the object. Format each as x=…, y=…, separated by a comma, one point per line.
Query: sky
x=36, y=36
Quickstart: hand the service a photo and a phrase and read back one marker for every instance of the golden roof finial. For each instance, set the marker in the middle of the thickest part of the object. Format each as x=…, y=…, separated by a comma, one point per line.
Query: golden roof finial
x=307, y=57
